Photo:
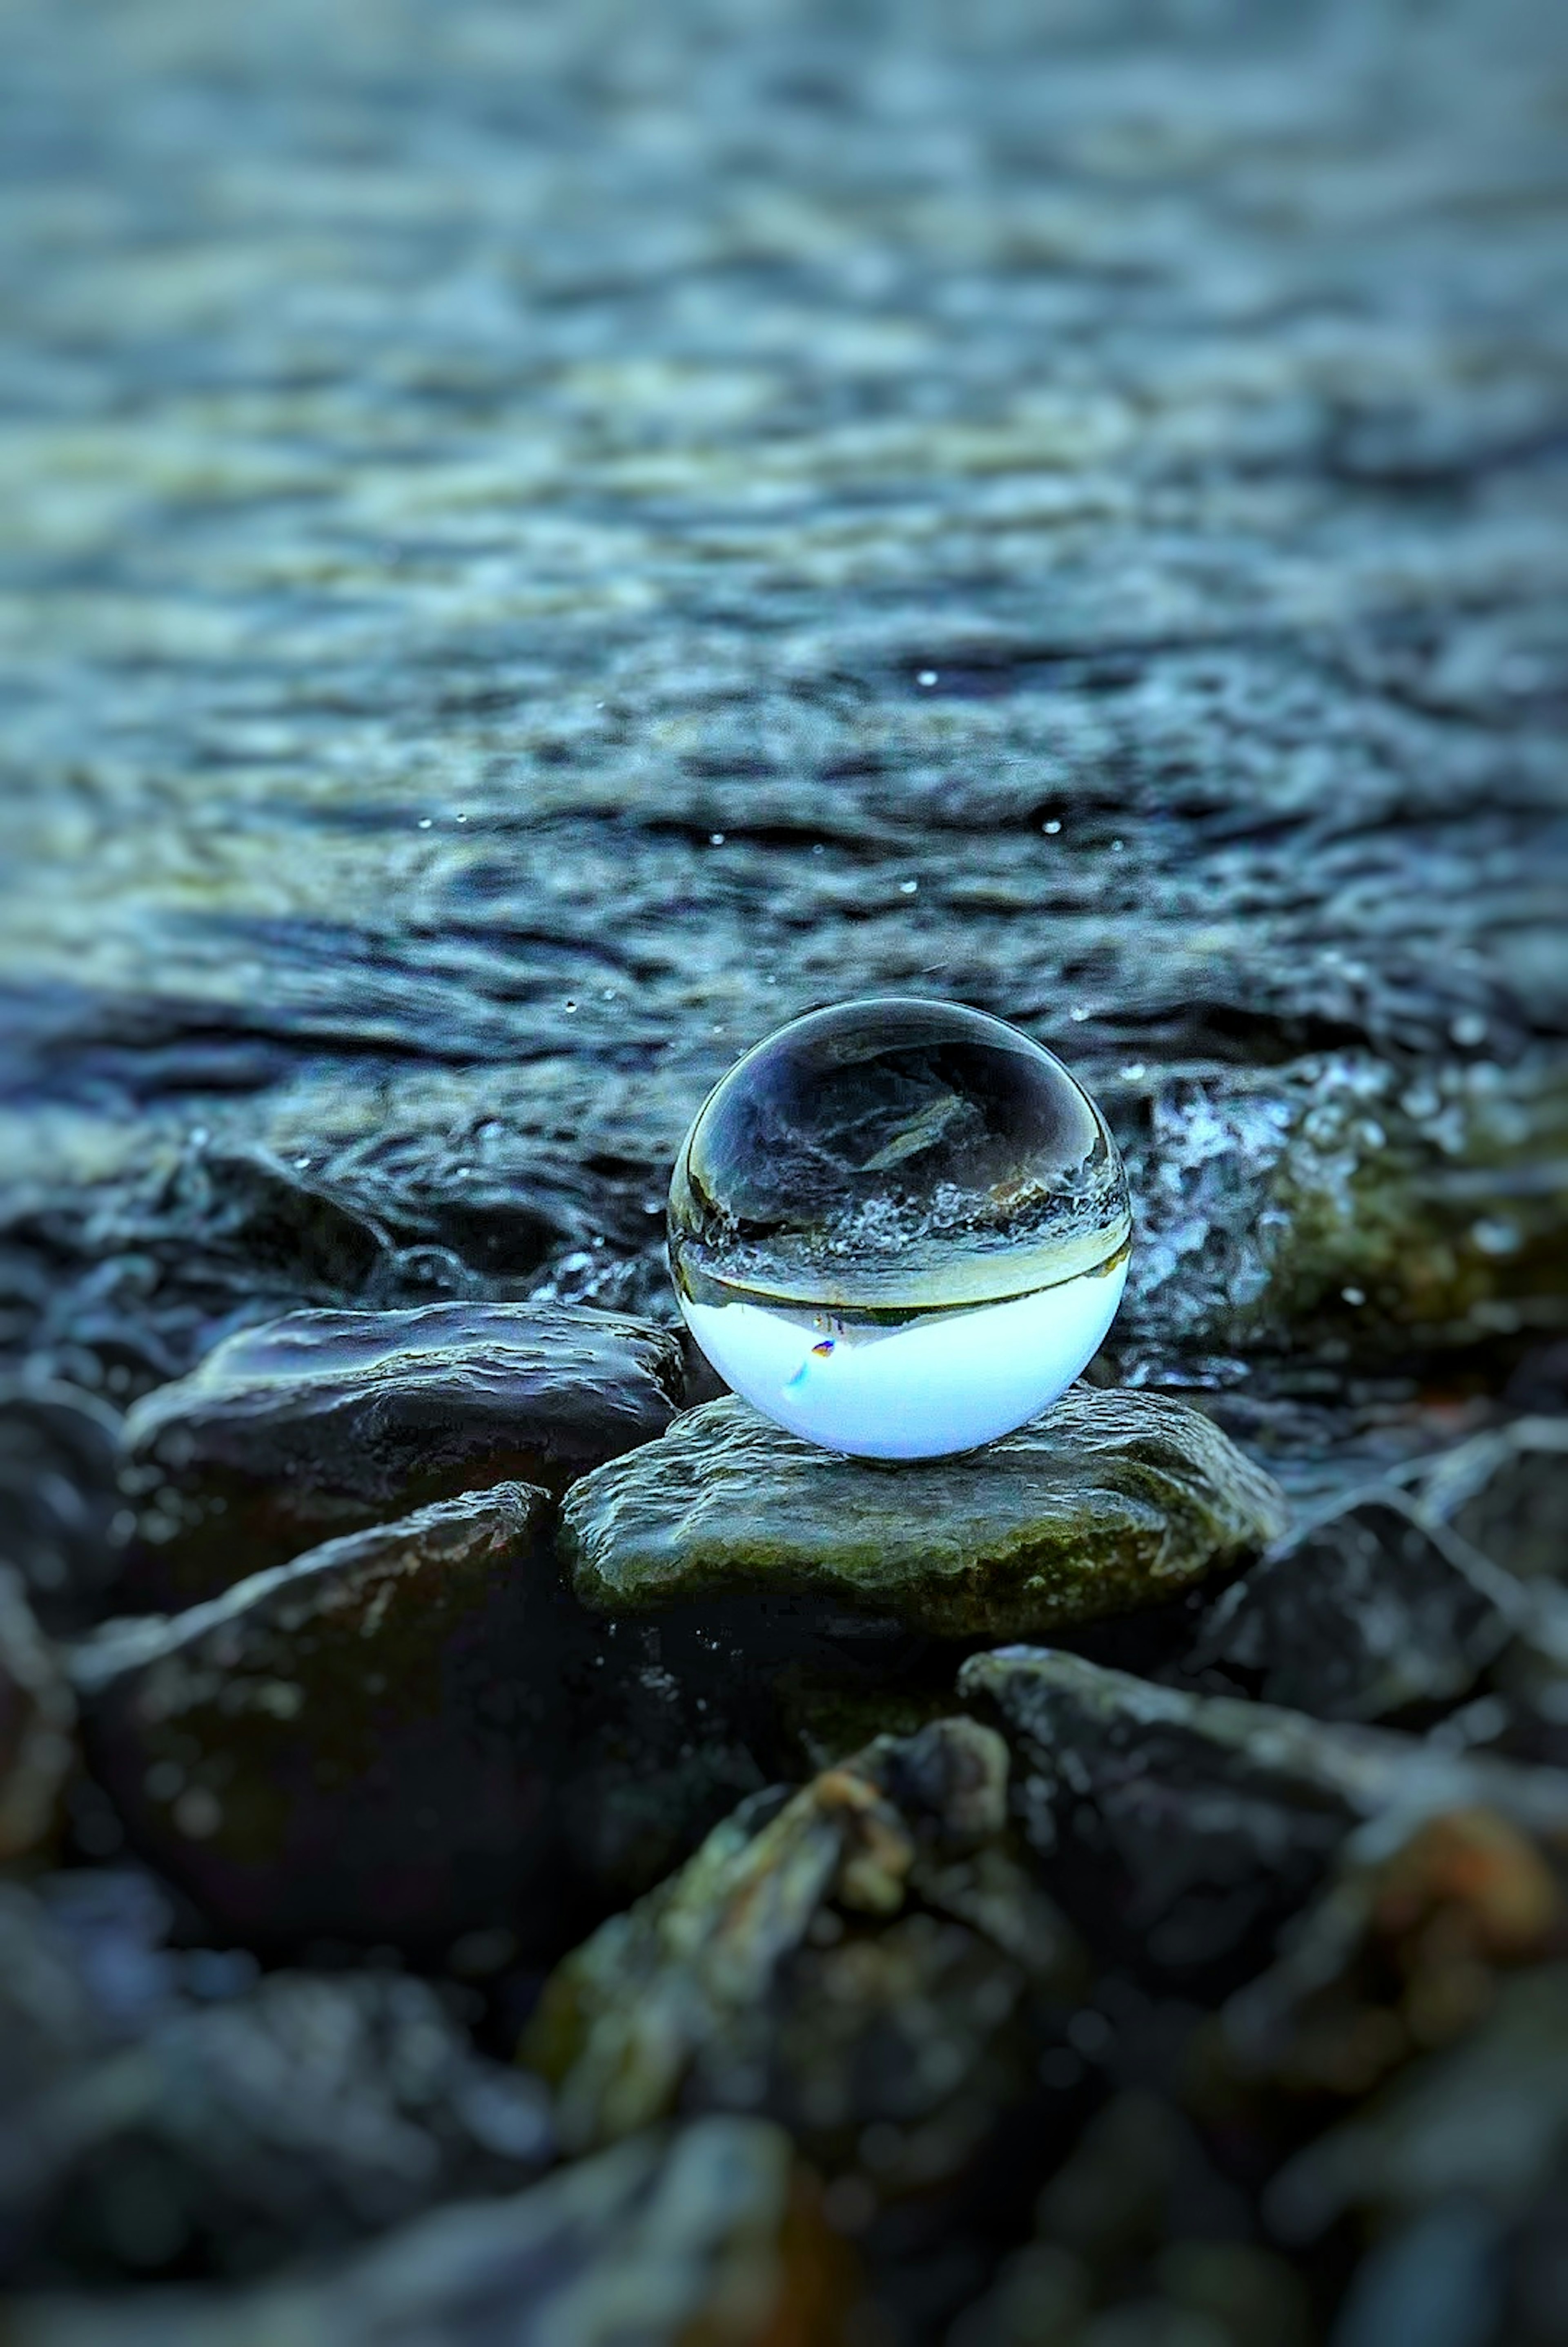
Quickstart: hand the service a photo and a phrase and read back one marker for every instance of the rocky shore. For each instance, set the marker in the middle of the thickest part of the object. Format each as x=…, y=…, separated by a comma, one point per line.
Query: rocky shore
x=539, y=544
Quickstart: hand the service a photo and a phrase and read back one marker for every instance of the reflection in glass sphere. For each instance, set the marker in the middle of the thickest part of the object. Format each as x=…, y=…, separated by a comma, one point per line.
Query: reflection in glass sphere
x=898, y=1228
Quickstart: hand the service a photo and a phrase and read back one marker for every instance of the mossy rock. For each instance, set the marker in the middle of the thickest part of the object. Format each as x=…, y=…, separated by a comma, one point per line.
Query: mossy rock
x=1109, y=1501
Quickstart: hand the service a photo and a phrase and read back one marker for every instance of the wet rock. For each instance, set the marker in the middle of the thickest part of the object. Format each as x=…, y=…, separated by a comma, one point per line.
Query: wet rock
x=59, y=1497
x=1338, y=1209
x=1108, y=1502
x=357, y=1743
x=36, y=1718
x=414, y=1731
x=306, y=2112
x=1363, y=1613
x=1506, y=1492
x=1180, y=1829
x=1500, y=1495
x=860, y=1954
x=1403, y=1952
x=325, y=1421
x=712, y=2233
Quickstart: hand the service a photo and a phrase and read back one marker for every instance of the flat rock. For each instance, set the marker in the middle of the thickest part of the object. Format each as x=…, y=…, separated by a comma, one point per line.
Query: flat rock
x=320, y=1422
x=1363, y=1613
x=1110, y=1500
x=1180, y=1829
x=713, y=2234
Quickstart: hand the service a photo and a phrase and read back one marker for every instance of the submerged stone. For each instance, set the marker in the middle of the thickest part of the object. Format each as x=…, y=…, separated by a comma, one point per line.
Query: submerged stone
x=1111, y=1501
x=899, y=1228
x=1181, y=1829
x=862, y=1953
x=322, y=1422
x=713, y=2233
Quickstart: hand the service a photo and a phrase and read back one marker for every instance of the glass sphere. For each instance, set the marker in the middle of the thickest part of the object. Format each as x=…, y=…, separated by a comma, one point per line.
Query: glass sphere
x=898, y=1228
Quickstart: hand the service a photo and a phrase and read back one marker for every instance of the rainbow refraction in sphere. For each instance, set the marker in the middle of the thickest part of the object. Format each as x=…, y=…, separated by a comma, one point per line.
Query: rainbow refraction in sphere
x=898, y=1228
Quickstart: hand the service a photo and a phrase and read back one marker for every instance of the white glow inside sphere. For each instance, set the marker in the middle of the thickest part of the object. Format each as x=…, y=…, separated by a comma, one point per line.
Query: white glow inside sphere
x=898, y=1228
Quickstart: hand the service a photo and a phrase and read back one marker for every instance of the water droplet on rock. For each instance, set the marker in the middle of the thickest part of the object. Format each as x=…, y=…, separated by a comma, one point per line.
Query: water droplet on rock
x=900, y=1229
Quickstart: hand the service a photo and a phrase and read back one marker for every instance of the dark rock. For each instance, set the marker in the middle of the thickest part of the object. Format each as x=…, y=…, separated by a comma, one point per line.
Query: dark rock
x=1402, y=1953
x=322, y=1422
x=1364, y=1613
x=668, y=1728
x=296, y=1231
x=49, y=2016
x=1180, y=1830
x=1506, y=1492
x=411, y=1732
x=36, y=1718
x=1138, y=2223
x=58, y=1492
x=359, y=1742
x=1110, y=1500
x=863, y=1954
x=1500, y=1495
x=1485, y=2121
x=164, y=2109
x=300, y=2116
x=712, y=2233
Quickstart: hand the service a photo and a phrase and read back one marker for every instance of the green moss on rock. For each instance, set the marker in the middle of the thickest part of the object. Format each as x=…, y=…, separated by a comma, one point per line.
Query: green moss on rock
x=1109, y=1501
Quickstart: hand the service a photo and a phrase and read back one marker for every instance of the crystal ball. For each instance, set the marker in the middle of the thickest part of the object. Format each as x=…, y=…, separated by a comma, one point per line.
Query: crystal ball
x=898, y=1228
